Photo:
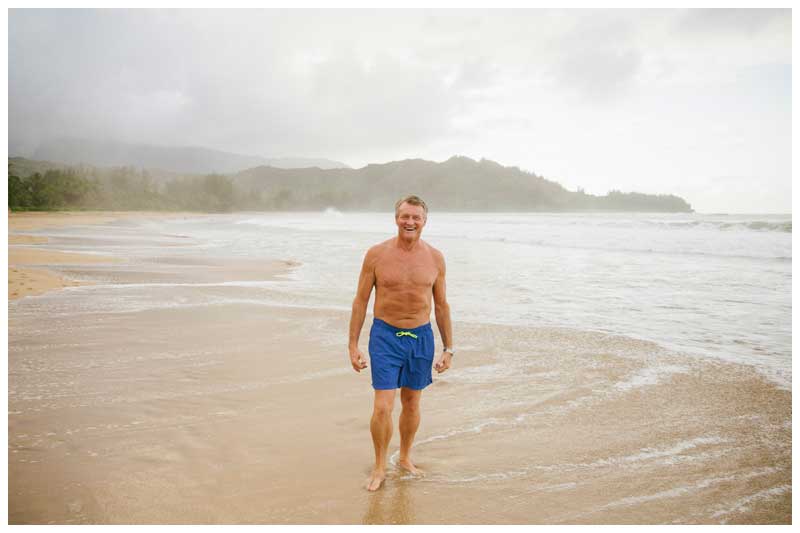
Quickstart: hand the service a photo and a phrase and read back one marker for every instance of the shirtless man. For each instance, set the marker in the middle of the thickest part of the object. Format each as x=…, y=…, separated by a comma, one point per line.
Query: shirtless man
x=406, y=272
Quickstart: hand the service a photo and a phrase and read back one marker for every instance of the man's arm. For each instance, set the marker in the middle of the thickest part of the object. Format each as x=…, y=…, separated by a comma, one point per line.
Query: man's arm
x=442, y=311
x=366, y=281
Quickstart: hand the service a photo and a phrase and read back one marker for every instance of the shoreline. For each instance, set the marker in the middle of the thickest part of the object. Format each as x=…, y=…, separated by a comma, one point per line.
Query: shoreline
x=28, y=265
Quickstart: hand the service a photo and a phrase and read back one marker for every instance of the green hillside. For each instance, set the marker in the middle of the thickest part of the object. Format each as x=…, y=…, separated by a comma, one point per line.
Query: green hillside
x=458, y=184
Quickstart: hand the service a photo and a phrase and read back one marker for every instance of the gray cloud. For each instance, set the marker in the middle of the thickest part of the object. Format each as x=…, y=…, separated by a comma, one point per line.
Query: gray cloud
x=733, y=21
x=231, y=81
x=597, y=55
x=600, y=72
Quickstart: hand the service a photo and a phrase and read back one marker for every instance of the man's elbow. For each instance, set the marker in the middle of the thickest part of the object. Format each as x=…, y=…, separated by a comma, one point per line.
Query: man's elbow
x=442, y=308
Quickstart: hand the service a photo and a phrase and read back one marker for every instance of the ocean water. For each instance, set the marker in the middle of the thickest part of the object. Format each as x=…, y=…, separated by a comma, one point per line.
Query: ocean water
x=714, y=286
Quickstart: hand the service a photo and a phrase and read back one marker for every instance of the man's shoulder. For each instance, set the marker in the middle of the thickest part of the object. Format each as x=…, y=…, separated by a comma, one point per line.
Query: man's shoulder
x=434, y=251
x=376, y=250
x=381, y=246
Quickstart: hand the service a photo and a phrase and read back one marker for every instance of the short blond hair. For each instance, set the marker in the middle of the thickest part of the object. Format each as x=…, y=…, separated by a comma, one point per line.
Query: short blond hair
x=411, y=200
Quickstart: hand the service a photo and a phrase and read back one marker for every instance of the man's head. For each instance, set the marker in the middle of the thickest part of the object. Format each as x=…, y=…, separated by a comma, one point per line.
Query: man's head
x=411, y=200
x=410, y=214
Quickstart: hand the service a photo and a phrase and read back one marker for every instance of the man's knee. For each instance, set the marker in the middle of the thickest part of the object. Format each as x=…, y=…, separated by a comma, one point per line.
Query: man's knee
x=384, y=403
x=410, y=400
x=382, y=409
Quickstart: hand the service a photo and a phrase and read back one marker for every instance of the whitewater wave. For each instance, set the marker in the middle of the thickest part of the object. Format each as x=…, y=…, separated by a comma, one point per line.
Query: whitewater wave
x=754, y=225
x=545, y=244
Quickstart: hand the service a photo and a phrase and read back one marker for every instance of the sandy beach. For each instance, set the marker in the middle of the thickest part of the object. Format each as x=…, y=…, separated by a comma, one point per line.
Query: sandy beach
x=37, y=220
x=247, y=412
x=28, y=274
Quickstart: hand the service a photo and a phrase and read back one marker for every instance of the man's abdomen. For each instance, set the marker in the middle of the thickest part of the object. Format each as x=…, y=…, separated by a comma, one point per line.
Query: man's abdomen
x=403, y=308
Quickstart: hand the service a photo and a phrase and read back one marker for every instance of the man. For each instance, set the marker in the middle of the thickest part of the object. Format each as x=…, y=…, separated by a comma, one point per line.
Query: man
x=406, y=273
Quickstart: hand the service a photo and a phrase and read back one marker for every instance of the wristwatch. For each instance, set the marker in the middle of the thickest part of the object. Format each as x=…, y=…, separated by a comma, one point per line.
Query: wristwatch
x=450, y=351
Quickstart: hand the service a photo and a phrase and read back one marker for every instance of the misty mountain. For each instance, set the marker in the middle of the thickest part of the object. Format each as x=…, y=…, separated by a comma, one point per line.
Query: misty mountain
x=184, y=159
x=458, y=184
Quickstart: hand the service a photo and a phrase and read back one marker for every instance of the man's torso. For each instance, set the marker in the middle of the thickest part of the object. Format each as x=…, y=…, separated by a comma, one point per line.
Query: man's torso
x=404, y=284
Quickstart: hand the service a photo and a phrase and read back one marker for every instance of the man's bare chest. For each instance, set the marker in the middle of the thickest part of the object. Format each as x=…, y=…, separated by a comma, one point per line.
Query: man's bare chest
x=399, y=272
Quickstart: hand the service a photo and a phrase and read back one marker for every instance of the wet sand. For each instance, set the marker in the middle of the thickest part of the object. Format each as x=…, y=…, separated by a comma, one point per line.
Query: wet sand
x=24, y=281
x=244, y=420
x=250, y=413
x=37, y=220
x=28, y=274
x=26, y=239
x=34, y=281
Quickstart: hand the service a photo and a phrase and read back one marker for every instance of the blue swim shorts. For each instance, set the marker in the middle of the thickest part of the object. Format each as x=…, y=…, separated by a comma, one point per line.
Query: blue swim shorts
x=400, y=357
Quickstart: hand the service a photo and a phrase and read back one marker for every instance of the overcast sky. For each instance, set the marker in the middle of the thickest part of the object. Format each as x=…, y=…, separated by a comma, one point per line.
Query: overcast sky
x=695, y=103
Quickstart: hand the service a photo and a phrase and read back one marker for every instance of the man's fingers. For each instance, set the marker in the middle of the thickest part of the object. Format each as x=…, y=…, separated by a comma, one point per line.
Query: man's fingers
x=358, y=363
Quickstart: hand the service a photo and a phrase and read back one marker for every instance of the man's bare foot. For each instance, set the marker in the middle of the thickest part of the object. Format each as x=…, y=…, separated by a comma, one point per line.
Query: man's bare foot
x=409, y=467
x=375, y=480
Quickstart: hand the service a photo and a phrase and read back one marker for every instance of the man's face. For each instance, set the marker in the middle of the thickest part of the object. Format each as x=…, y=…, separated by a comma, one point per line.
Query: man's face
x=410, y=220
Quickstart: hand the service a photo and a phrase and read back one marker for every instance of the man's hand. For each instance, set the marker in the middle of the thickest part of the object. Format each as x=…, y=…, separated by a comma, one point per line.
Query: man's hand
x=357, y=360
x=443, y=363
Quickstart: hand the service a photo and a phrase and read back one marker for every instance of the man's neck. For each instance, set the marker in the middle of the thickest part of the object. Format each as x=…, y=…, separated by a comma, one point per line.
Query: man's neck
x=407, y=245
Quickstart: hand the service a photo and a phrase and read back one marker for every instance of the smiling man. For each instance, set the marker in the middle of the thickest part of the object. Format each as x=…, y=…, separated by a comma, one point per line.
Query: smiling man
x=407, y=273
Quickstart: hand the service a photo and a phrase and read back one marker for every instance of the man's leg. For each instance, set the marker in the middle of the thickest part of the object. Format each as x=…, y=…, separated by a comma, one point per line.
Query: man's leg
x=381, y=428
x=409, y=422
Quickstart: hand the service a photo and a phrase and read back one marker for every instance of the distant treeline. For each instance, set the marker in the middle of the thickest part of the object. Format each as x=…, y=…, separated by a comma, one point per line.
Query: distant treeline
x=124, y=188
x=458, y=184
